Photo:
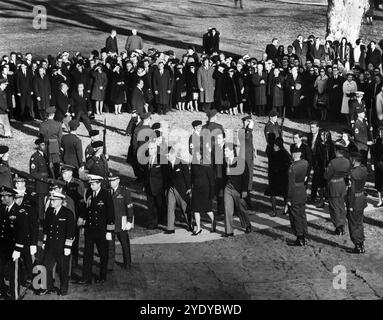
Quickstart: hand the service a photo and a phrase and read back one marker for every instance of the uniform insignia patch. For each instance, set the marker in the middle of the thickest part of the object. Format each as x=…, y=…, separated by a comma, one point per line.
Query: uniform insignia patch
x=356, y=130
x=33, y=166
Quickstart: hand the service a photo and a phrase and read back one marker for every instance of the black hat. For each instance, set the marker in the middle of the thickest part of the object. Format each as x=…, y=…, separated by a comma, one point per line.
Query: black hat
x=246, y=118
x=156, y=126
x=97, y=144
x=67, y=167
x=196, y=123
x=146, y=115
x=212, y=113
x=39, y=141
x=113, y=177
x=74, y=124
x=4, y=149
x=54, y=183
x=6, y=191
x=93, y=133
x=273, y=113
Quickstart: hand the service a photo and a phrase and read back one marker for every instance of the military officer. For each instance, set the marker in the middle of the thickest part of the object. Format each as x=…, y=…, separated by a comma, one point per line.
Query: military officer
x=98, y=219
x=13, y=236
x=38, y=168
x=296, y=197
x=59, y=228
x=356, y=104
x=357, y=202
x=58, y=186
x=98, y=164
x=362, y=136
x=89, y=151
x=51, y=132
x=75, y=189
x=272, y=131
x=336, y=174
x=5, y=172
x=20, y=185
x=72, y=148
x=123, y=216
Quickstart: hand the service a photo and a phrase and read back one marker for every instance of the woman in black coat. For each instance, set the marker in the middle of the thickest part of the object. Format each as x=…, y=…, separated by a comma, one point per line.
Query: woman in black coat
x=239, y=80
x=192, y=88
x=180, y=88
x=117, y=89
x=202, y=179
x=377, y=153
x=231, y=92
x=279, y=163
x=277, y=90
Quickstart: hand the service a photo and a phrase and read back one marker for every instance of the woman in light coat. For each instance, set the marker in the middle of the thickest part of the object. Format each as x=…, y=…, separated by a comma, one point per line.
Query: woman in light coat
x=206, y=84
x=349, y=87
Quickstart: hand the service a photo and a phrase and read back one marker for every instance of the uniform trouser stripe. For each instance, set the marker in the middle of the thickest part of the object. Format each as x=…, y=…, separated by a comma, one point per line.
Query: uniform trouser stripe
x=16, y=278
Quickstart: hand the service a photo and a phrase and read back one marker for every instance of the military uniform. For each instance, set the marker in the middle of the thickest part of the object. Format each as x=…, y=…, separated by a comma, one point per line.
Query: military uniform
x=59, y=229
x=361, y=137
x=13, y=237
x=98, y=165
x=296, y=194
x=89, y=152
x=38, y=168
x=123, y=213
x=354, y=106
x=335, y=174
x=5, y=174
x=99, y=219
x=357, y=202
x=72, y=152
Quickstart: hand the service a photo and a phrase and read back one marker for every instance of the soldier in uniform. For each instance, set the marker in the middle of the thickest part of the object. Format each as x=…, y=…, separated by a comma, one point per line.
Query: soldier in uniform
x=362, y=136
x=98, y=219
x=5, y=172
x=72, y=148
x=272, y=131
x=123, y=216
x=236, y=184
x=356, y=104
x=98, y=164
x=209, y=133
x=38, y=168
x=336, y=174
x=89, y=151
x=248, y=152
x=51, y=132
x=59, y=228
x=58, y=186
x=357, y=202
x=296, y=197
x=13, y=233
x=75, y=189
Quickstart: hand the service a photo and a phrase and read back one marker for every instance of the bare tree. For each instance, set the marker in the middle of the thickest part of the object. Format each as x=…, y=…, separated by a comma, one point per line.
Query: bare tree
x=344, y=18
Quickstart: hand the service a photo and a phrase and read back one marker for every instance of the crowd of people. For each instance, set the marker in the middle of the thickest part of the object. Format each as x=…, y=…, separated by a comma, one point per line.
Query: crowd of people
x=75, y=190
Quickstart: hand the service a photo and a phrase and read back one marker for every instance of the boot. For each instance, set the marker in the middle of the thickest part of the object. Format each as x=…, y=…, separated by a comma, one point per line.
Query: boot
x=320, y=203
x=274, y=206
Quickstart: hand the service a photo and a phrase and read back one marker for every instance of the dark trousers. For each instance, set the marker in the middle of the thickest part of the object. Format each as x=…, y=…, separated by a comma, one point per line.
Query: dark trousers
x=315, y=183
x=26, y=107
x=298, y=219
x=162, y=108
x=156, y=209
x=355, y=226
x=42, y=114
x=174, y=199
x=52, y=258
x=9, y=268
x=234, y=203
x=75, y=247
x=123, y=238
x=206, y=107
x=40, y=205
x=93, y=238
x=337, y=211
x=364, y=154
x=219, y=193
x=82, y=116
x=26, y=265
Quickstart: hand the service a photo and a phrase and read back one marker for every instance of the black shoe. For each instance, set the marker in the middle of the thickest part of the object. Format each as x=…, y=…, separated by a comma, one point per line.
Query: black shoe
x=227, y=235
x=213, y=226
x=197, y=233
x=342, y=233
x=100, y=280
x=297, y=243
x=248, y=229
x=85, y=282
x=338, y=231
x=169, y=231
x=357, y=250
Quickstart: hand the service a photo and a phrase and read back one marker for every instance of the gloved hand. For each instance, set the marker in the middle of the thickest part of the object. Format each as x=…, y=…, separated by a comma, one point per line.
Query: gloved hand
x=33, y=250
x=109, y=236
x=127, y=226
x=43, y=246
x=66, y=252
x=80, y=222
x=15, y=255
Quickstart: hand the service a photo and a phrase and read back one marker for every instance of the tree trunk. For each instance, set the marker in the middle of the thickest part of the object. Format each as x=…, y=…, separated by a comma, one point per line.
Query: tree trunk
x=344, y=18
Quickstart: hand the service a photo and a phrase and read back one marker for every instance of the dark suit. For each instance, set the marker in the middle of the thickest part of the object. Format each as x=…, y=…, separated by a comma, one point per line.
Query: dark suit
x=42, y=91
x=111, y=44
x=306, y=154
x=72, y=150
x=316, y=151
x=62, y=106
x=24, y=87
x=80, y=107
x=272, y=52
x=99, y=216
x=138, y=100
x=162, y=84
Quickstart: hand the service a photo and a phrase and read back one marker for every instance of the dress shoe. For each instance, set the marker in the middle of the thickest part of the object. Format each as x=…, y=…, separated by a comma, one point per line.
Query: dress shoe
x=169, y=231
x=358, y=249
x=320, y=204
x=227, y=235
x=196, y=233
x=248, y=229
x=85, y=282
x=342, y=233
x=213, y=226
x=100, y=280
x=299, y=242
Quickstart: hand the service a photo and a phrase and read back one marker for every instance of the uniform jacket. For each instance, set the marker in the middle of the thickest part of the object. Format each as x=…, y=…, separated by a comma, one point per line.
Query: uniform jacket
x=98, y=165
x=361, y=135
x=72, y=150
x=32, y=222
x=356, y=198
x=5, y=174
x=336, y=174
x=296, y=176
x=38, y=168
x=123, y=207
x=59, y=230
x=51, y=130
x=99, y=213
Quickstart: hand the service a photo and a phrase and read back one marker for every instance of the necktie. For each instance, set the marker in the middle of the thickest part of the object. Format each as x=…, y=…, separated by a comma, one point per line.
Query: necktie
x=81, y=95
x=94, y=194
x=7, y=210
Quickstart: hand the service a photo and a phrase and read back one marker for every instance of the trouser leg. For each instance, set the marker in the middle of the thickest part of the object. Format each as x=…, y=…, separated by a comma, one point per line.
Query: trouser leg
x=355, y=225
x=63, y=271
x=112, y=251
x=102, y=248
x=75, y=247
x=152, y=210
x=88, y=257
x=229, y=210
x=241, y=209
x=171, y=208
x=49, y=263
x=337, y=211
x=123, y=237
x=298, y=219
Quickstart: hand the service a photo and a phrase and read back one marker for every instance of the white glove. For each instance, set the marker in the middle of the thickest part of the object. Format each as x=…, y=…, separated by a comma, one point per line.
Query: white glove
x=66, y=252
x=109, y=236
x=15, y=255
x=80, y=222
x=127, y=226
x=33, y=250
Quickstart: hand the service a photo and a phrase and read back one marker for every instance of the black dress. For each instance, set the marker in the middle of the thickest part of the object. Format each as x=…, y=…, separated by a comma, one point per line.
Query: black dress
x=377, y=152
x=279, y=163
x=202, y=179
